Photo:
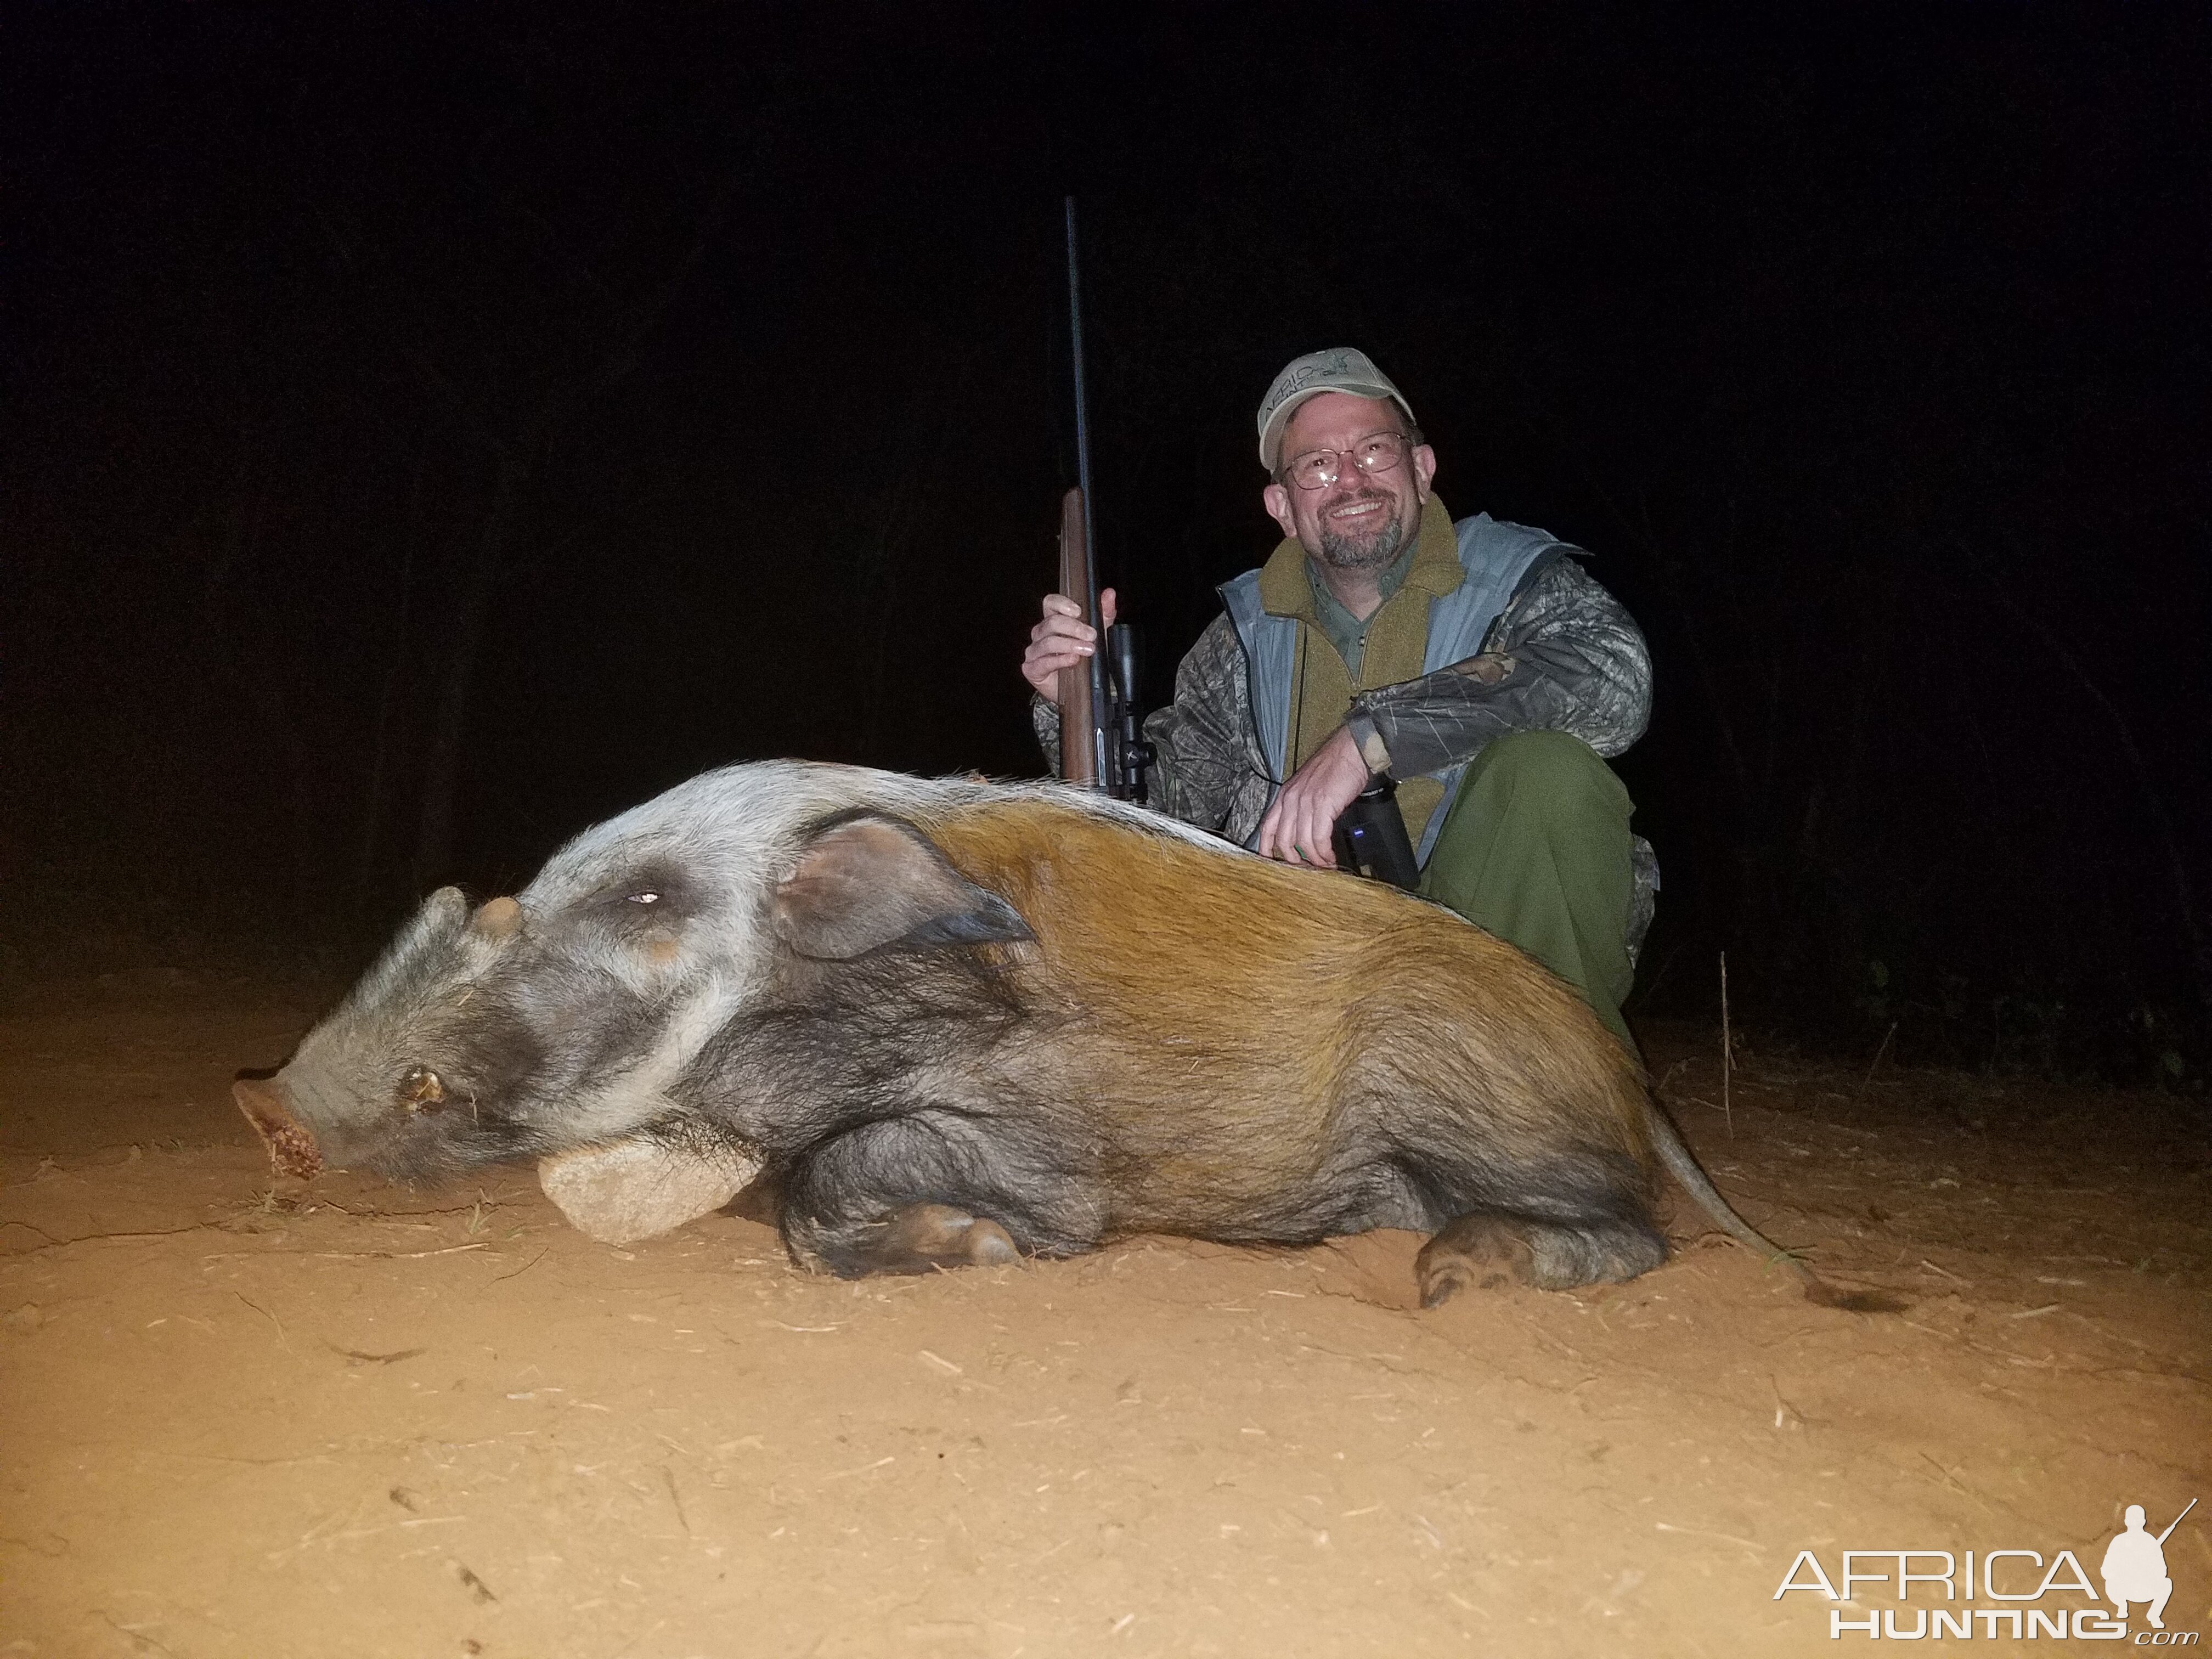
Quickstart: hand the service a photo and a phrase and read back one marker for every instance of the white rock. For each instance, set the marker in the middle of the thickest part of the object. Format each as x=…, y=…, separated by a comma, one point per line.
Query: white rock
x=633, y=1190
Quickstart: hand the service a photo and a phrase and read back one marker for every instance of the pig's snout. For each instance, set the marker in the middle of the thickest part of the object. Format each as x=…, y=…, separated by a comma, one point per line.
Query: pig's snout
x=291, y=1145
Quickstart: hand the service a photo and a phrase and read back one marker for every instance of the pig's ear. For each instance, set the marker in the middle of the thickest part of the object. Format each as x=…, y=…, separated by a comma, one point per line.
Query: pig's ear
x=868, y=882
x=496, y=920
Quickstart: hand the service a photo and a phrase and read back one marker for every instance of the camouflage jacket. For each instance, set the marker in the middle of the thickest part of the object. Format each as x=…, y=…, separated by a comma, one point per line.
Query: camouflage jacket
x=1564, y=655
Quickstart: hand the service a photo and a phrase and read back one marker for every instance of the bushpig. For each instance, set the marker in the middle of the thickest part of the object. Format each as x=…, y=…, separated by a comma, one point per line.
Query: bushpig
x=958, y=1022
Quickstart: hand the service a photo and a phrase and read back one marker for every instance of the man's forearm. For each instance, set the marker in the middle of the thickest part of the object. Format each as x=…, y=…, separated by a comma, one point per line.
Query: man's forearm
x=1566, y=658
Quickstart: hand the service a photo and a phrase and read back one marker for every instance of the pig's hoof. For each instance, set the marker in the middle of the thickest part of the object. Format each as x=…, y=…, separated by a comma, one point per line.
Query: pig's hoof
x=990, y=1245
x=1482, y=1250
x=923, y=1236
x=1442, y=1274
x=1551, y=1255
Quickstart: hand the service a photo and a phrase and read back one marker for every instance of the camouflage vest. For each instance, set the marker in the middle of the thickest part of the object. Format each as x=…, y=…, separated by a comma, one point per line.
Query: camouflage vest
x=1493, y=558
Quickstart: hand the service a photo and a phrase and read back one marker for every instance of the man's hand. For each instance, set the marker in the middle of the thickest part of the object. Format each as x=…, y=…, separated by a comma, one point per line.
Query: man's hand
x=1061, y=640
x=1300, y=827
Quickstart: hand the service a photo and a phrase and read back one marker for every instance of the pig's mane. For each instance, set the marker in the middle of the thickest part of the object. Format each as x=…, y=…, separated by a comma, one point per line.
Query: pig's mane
x=775, y=800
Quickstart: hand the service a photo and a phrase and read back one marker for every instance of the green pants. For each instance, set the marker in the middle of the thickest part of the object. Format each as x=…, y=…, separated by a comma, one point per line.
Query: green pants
x=1534, y=847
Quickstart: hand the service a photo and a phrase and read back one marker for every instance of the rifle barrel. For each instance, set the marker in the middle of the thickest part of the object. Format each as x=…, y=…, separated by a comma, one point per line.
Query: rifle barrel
x=1095, y=670
x=2178, y=1520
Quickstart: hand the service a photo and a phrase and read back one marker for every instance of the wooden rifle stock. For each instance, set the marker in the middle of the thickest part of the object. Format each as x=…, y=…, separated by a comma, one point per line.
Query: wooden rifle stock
x=1081, y=733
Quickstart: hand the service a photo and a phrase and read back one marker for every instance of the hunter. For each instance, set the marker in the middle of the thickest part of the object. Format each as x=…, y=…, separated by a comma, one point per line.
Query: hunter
x=1475, y=664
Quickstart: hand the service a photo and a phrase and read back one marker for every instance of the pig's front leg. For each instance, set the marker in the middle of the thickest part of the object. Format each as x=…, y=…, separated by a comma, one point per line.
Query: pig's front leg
x=938, y=1189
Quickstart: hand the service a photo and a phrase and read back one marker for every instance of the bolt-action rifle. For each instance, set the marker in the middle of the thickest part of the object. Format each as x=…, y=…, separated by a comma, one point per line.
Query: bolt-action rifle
x=1101, y=741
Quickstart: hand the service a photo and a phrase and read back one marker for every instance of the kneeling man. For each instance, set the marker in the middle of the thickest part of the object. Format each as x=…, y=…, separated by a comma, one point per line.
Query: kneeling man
x=1473, y=663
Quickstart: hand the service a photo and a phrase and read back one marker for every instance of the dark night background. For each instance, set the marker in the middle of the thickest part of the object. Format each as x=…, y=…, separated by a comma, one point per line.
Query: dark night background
x=430, y=428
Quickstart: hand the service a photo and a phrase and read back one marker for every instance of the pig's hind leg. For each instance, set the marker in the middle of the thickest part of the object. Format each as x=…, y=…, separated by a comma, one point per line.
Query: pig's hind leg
x=939, y=1189
x=1583, y=1220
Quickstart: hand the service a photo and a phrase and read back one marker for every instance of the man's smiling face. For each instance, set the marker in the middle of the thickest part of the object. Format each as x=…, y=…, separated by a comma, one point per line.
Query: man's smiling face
x=1362, y=521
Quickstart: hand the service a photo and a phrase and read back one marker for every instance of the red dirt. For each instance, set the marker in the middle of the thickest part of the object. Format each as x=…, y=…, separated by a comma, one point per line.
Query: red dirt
x=247, y=1419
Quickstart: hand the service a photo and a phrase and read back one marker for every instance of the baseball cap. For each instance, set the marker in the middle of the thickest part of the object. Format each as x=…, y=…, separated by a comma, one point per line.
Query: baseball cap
x=1340, y=368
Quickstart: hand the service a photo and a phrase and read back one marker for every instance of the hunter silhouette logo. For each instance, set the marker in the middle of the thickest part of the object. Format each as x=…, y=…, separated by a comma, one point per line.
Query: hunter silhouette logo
x=2134, y=1566
x=2133, y=1569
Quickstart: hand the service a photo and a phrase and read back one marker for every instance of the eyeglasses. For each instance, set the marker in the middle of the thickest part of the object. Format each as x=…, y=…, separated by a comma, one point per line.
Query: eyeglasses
x=1318, y=468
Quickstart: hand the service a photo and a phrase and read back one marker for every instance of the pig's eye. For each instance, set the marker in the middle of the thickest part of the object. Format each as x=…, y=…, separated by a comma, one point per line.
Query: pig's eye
x=420, y=1089
x=643, y=898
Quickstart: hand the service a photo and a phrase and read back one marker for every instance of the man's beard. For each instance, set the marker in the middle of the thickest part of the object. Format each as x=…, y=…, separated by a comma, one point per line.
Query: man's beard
x=1375, y=549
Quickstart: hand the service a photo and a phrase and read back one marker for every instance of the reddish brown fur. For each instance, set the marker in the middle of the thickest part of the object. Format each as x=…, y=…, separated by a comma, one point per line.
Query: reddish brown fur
x=1318, y=984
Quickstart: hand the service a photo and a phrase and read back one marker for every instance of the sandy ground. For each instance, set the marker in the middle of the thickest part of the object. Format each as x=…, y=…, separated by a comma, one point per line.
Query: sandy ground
x=246, y=1419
